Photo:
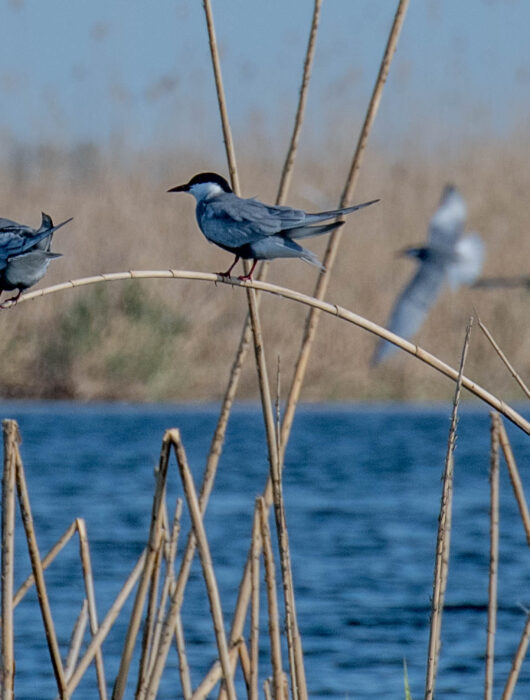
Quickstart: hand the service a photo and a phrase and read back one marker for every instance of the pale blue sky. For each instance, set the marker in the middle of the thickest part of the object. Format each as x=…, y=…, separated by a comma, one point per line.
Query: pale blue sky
x=78, y=70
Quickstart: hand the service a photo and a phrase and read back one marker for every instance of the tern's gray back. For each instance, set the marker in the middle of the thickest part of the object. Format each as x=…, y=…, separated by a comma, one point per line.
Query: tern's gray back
x=232, y=222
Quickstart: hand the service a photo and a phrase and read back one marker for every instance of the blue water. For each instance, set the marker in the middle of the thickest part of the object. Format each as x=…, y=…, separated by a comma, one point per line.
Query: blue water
x=362, y=492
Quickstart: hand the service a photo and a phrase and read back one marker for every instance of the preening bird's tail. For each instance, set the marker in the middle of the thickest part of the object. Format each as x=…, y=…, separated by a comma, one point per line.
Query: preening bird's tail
x=308, y=231
x=42, y=238
x=47, y=224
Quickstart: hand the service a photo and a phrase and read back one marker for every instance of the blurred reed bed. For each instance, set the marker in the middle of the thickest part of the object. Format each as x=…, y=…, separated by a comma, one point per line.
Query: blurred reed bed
x=160, y=340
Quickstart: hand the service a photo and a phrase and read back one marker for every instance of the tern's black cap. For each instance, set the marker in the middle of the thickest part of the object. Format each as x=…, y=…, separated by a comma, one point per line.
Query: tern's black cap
x=203, y=178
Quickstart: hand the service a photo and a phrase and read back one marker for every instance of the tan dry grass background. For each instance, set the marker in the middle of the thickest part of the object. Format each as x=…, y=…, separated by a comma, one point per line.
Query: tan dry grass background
x=175, y=340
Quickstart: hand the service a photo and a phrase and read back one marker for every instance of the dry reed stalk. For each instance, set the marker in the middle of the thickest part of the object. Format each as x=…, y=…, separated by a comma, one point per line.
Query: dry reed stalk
x=329, y=308
x=244, y=343
x=209, y=473
x=246, y=334
x=335, y=238
x=169, y=578
x=505, y=360
x=168, y=626
x=494, y=556
x=244, y=660
x=77, y=639
x=285, y=178
x=107, y=623
x=443, y=539
x=251, y=324
x=517, y=661
x=54, y=551
x=274, y=625
x=155, y=535
x=255, y=551
x=225, y=123
x=184, y=669
x=267, y=688
x=515, y=479
x=149, y=622
x=86, y=564
x=206, y=562
x=7, y=670
x=259, y=352
x=238, y=623
x=294, y=642
x=38, y=573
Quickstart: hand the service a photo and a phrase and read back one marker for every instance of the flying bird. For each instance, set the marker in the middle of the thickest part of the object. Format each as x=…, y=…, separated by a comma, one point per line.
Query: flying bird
x=448, y=256
x=24, y=255
x=252, y=230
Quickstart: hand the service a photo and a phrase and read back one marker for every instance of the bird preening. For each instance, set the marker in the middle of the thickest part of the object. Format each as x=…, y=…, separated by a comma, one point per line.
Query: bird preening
x=24, y=255
x=448, y=256
x=252, y=230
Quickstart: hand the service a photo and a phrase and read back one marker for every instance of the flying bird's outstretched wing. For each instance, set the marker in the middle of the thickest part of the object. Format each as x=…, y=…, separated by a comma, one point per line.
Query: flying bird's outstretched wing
x=412, y=306
x=469, y=259
x=448, y=221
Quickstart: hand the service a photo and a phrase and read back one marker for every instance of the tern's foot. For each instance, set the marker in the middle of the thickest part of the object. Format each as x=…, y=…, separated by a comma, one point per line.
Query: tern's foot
x=9, y=303
x=12, y=301
x=245, y=278
x=224, y=275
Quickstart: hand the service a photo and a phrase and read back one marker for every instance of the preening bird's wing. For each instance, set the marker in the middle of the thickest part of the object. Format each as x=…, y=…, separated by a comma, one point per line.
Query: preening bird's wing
x=448, y=221
x=16, y=239
x=9, y=224
x=412, y=306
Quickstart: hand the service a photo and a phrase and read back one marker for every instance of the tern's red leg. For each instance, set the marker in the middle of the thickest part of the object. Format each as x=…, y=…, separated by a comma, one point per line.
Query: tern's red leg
x=227, y=273
x=8, y=303
x=248, y=278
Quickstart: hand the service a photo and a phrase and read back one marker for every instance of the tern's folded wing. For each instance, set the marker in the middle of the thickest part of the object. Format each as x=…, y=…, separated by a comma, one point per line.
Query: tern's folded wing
x=257, y=218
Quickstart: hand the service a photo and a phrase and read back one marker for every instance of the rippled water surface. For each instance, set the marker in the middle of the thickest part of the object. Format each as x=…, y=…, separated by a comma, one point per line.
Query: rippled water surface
x=362, y=490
